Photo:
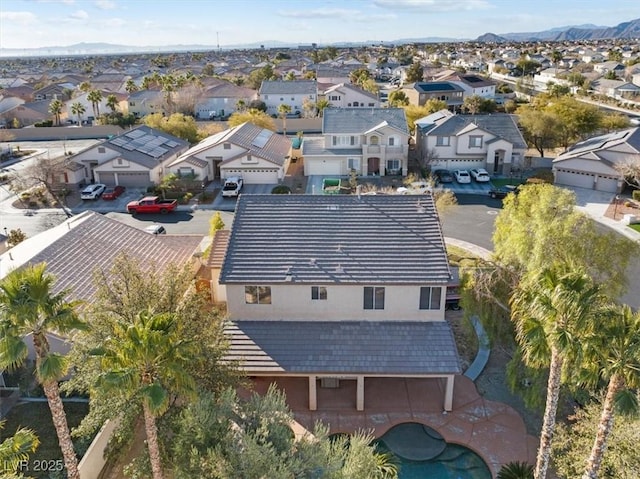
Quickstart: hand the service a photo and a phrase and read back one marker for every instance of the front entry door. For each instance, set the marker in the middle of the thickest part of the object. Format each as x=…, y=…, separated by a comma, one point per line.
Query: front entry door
x=373, y=166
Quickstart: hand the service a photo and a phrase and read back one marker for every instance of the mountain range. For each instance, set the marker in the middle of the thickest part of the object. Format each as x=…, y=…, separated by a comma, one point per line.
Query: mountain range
x=625, y=30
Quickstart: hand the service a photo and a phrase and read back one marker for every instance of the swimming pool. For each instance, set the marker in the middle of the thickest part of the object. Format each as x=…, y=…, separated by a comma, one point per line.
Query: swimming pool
x=422, y=453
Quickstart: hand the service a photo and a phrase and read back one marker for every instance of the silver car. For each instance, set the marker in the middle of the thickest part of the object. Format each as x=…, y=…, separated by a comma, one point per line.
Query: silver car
x=93, y=192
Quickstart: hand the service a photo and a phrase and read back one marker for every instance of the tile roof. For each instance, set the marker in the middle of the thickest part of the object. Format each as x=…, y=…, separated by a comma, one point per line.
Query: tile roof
x=314, y=145
x=343, y=347
x=424, y=87
x=295, y=87
x=336, y=239
x=359, y=120
x=616, y=141
x=501, y=125
x=219, y=246
x=90, y=242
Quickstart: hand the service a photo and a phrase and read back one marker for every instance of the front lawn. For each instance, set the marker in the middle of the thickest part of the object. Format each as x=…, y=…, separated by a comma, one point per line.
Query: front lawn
x=498, y=182
x=635, y=227
x=36, y=416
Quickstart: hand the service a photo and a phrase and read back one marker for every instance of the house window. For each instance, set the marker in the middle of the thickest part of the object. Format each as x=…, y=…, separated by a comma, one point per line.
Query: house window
x=374, y=140
x=355, y=103
x=393, y=166
x=101, y=149
x=334, y=98
x=371, y=104
x=318, y=292
x=430, y=297
x=343, y=140
x=227, y=146
x=119, y=161
x=475, y=142
x=392, y=141
x=257, y=294
x=353, y=164
x=373, y=297
x=442, y=141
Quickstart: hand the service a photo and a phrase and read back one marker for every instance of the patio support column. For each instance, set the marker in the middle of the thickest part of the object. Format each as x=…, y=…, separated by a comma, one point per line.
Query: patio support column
x=448, y=393
x=360, y=393
x=313, y=397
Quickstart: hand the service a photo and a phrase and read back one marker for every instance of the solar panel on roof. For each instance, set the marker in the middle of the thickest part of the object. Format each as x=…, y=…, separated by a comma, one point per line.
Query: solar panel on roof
x=135, y=134
x=262, y=138
x=129, y=147
x=171, y=143
x=119, y=141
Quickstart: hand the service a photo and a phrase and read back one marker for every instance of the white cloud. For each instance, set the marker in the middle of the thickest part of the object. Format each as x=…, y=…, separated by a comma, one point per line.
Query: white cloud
x=336, y=13
x=105, y=4
x=22, y=18
x=434, y=6
x=79, y=15
x=115, y=22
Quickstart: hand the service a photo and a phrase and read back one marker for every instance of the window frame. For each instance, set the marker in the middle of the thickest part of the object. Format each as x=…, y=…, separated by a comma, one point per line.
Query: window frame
x=443, y=141
x=255, y=294
x=373, y=297
x=318, y=293
x=430, y=298
x=475, y=141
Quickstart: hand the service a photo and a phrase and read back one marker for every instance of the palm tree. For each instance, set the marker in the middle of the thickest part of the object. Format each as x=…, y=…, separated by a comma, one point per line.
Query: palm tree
x=321, y=104
x=516, y=470
x=16, y=449
x=112, y=102
x=548, y=308
x=78, y=109
x=283, y=111
x=556, y=56
x=85, y=87
x=29, y=307
x=131, y=86
x=55, y=108
x=146, y=360
x=613, y=352
x=95, y=97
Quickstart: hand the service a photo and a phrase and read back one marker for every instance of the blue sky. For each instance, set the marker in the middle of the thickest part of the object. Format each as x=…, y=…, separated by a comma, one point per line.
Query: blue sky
x=37, y=23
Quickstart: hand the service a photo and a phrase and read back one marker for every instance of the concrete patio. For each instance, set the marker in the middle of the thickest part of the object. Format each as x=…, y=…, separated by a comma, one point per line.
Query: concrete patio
x=493, y=430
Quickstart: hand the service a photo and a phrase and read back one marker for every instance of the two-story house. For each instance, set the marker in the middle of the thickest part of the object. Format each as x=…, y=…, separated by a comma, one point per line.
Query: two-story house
x=221, y=100
x=452, y=142
x=293, y=93
x=256, y=154
x=328, y=291
x=145, y=102
x=421, y=92
x=473, y=85
x=346, y=95
x=371, y=141
x=135, y=159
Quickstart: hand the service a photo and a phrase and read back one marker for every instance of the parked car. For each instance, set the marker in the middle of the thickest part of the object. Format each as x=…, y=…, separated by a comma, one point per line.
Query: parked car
x=480, y=175
x=93, y=192
x=462, y=176
x=151, y=204
x=232, y=187
x=156, y=230
x=443, y=176
x=503, y=191
x=112, y=193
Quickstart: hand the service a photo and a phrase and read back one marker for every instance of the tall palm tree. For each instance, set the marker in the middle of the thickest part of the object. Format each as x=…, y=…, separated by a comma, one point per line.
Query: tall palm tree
x=146, y=360
x=556, y=56
x=548, y=309
x=321, y=104
x=283, y=111
x=28, y=306
x=112, y=102
x=78, y=109
x=613, y=354
x=55, y=108
x=131, y=86
x=16, y=449
x=95, y=97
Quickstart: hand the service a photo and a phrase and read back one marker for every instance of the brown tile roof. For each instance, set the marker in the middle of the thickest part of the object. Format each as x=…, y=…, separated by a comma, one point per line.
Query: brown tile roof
x=218, y=248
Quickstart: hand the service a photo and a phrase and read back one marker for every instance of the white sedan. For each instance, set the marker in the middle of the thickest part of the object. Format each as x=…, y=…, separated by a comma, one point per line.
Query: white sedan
x=93, y=192
x=462, y=176
x=480, y=175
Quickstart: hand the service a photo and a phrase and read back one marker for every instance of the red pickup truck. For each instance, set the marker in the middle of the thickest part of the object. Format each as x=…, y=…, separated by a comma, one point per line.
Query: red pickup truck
x=151, y=204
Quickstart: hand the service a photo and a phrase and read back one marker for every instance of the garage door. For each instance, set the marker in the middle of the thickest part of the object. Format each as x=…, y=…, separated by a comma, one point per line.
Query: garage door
x=322, y=167
x=107, y=178
x=134, y=180
x=257, y=176
x=608, y=184
x=574, y=178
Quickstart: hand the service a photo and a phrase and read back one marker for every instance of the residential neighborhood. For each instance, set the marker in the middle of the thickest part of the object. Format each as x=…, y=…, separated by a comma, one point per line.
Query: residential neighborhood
x=428, y=247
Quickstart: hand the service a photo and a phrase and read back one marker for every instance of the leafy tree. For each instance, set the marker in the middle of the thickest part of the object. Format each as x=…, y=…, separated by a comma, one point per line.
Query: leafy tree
x=415, y=112
x=576, y=79
x=257, y=117
x=610, y=75
x=283, y=111
x=85, y=87
x=290, y=76
x=540, y=129
x=527, y=67
x=549, y=309
x=145, y=360
x=258, y=105
x=55, y=108
x=215, y=223
x=95, y=97
x=256, y=77
x=177, y=124
x=472, y=104
x=131, y=86
x=398, y=98
x=78, y=109
x=614, y=56
x=359, y=76
x=14, y=450
x=556, y=57
x=28, y=306
x=612, y=350
x=572, y=442
x=331, y=52
x=614, y=121
x=578, y=120
x=415, y=73
x=556, y=90
x=112, y=102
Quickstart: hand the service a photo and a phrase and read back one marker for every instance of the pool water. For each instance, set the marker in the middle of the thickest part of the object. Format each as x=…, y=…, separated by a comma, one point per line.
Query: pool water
x=421, y=453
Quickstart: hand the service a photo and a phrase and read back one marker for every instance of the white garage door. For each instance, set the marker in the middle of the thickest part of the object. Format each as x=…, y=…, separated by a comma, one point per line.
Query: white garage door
x=573, y=178
x=134, y=180
x=107, y=178
x=258, y=176
x=323, y=167
x=608, y=184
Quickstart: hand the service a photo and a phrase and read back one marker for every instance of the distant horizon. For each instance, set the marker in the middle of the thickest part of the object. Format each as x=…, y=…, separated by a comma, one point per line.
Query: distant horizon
x=27, y=24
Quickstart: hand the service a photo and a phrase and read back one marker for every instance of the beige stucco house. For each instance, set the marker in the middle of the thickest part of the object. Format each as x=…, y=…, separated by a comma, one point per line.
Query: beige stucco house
x=339, y=288
x=371, y=141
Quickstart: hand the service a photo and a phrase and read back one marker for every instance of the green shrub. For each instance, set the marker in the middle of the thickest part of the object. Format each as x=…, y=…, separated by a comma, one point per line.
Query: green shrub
x=281, y=190
x=516, y=470
x=636, y=195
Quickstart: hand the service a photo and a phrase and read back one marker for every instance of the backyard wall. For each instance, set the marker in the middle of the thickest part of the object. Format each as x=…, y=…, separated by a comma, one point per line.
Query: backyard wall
x=93, y=461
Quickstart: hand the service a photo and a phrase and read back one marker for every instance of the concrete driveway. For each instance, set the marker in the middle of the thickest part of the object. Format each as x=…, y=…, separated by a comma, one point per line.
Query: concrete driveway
x=229, y=204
